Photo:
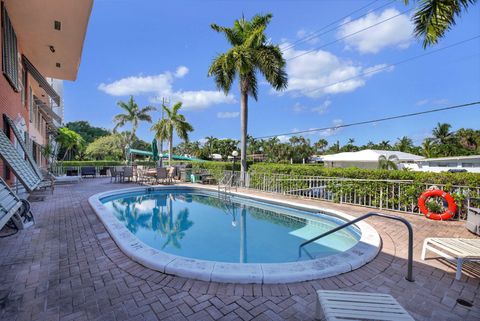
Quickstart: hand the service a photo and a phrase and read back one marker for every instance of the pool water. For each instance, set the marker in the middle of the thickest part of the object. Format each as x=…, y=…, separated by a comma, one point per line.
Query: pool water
x=215, y=227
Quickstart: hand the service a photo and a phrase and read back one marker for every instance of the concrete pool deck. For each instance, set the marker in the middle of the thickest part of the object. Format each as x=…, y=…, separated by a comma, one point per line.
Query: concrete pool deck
x=67, y=267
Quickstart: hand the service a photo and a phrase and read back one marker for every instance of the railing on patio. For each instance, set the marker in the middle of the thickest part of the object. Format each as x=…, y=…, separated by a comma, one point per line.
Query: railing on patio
x=393, y=195
x=62, y=170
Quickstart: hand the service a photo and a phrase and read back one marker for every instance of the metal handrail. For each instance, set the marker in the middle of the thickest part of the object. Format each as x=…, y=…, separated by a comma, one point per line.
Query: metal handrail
x=409, y=276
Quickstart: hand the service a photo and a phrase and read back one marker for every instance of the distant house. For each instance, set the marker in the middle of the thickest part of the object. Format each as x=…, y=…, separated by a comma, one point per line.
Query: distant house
x=367, y=158
x=444, y=164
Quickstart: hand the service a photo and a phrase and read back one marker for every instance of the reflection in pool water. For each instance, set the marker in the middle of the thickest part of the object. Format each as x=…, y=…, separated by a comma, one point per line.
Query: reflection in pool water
x=209, y=227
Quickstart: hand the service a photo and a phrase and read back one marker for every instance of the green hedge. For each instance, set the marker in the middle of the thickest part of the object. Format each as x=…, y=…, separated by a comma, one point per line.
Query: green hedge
x=90, y=163
x=466, y=179
x=113, y=163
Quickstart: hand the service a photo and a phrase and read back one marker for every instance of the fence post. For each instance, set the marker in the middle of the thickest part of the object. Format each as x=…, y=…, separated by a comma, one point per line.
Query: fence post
x=381, y=197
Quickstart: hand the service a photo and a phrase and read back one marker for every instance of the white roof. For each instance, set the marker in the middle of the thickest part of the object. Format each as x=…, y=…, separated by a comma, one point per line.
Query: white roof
x=470, y=157
x=369, y=155
x=216, y=156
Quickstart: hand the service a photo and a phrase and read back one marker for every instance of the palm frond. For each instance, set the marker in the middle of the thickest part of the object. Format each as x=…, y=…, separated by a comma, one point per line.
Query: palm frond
x=434, y=18
x=271, y=64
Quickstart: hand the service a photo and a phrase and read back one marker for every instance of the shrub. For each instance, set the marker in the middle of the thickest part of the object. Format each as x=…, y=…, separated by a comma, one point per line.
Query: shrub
x=466, y=179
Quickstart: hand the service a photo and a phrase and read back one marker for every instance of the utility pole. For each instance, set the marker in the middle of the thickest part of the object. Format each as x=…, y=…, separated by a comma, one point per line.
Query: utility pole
x=165, y=101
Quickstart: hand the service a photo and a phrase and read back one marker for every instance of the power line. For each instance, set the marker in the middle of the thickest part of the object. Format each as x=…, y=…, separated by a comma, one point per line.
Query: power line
x=349, y=35
x=316, y=33
x=372, y=121
x=372, y=71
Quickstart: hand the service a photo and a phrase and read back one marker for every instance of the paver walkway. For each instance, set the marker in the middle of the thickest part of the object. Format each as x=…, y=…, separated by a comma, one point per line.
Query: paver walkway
x=68, y=268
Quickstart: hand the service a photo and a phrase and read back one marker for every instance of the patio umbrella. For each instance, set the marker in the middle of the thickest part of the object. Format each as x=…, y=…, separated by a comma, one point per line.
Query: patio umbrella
x=154, y=150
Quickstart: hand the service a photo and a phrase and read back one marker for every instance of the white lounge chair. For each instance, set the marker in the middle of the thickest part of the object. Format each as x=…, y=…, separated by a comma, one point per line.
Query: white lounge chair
x=454, y=249
x=342, y=305
x=12, y=207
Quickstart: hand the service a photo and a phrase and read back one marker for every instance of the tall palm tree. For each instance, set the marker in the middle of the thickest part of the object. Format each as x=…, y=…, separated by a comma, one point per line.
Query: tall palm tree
x=434, y=18
x=387, y=163
x=134, y=115
x=173, y=121
x=251, y=52
x=442, y=133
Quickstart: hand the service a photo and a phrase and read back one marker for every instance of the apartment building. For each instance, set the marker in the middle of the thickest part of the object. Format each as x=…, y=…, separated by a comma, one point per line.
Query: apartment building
x=42, y=43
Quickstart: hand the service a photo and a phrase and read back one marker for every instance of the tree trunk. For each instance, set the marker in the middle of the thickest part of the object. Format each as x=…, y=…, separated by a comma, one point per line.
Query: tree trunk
x=170, y=149
x=244, y=131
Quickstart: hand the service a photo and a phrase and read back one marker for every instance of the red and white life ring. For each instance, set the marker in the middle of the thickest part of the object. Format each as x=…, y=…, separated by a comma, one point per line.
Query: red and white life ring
x=449, y=213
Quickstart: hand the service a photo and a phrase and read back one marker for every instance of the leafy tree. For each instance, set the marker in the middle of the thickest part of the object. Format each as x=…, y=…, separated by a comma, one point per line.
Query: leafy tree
x=251, y=53
x=387, y=163
x=109, y=147
x=134, y=115
x=112, y=147
x=69, y=141
x=301, y=149
x=87, y=131
x=188, y=148
x=469, y=139
x=434, y=18
x=173, y=121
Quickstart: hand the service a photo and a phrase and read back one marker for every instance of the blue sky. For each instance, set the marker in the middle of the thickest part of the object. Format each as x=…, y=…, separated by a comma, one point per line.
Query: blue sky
x=163, y=48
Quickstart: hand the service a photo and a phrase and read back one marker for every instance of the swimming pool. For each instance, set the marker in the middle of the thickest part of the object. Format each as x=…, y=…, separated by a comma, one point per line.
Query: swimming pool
x=207, y=235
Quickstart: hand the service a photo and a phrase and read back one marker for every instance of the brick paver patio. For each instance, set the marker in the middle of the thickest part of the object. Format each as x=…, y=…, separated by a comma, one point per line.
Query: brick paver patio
x=68, y=268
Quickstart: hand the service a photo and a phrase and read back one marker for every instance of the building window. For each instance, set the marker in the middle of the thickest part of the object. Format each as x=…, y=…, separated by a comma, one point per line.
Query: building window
x=24, y=88
x=9, y=50
x=470, y=164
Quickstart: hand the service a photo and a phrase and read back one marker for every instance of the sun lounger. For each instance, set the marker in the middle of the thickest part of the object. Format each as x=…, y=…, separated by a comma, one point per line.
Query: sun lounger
x=19, y=166
x=11, y=207
x=342, y=305
x=45, y=180
x=454, y=249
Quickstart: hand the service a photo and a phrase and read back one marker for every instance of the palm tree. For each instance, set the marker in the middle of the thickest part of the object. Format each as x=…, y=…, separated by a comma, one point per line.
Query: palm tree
x=321, y=145
x=442, y=133
x=385, y=145
x=133, y=115
x=404, y=144
x=173, y=121
x=428, y=147
x=387, y=163
x=434, y=18
x=250, y=53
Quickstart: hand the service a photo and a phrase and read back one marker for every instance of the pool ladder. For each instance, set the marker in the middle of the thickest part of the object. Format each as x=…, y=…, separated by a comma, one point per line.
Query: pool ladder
x=226, y=183
x=409, y=276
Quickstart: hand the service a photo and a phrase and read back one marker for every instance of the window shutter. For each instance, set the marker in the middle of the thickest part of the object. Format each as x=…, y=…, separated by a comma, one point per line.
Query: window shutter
x=9, y=50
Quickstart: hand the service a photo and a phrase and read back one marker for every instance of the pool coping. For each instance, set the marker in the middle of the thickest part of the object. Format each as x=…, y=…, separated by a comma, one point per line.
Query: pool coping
x=360, y=254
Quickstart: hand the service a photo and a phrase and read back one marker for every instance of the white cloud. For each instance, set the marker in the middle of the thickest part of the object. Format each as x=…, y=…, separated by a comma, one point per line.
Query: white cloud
x=332, y=131
x=283, y=138
x=316, y=73
x=181, y=72
x=162, y=86
x=298, y=108
x=136, y=85
x=433, y=102
x=307, y=36
x=202, y=98
x=396, y=32
x=228, y=114
x=322, y=109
